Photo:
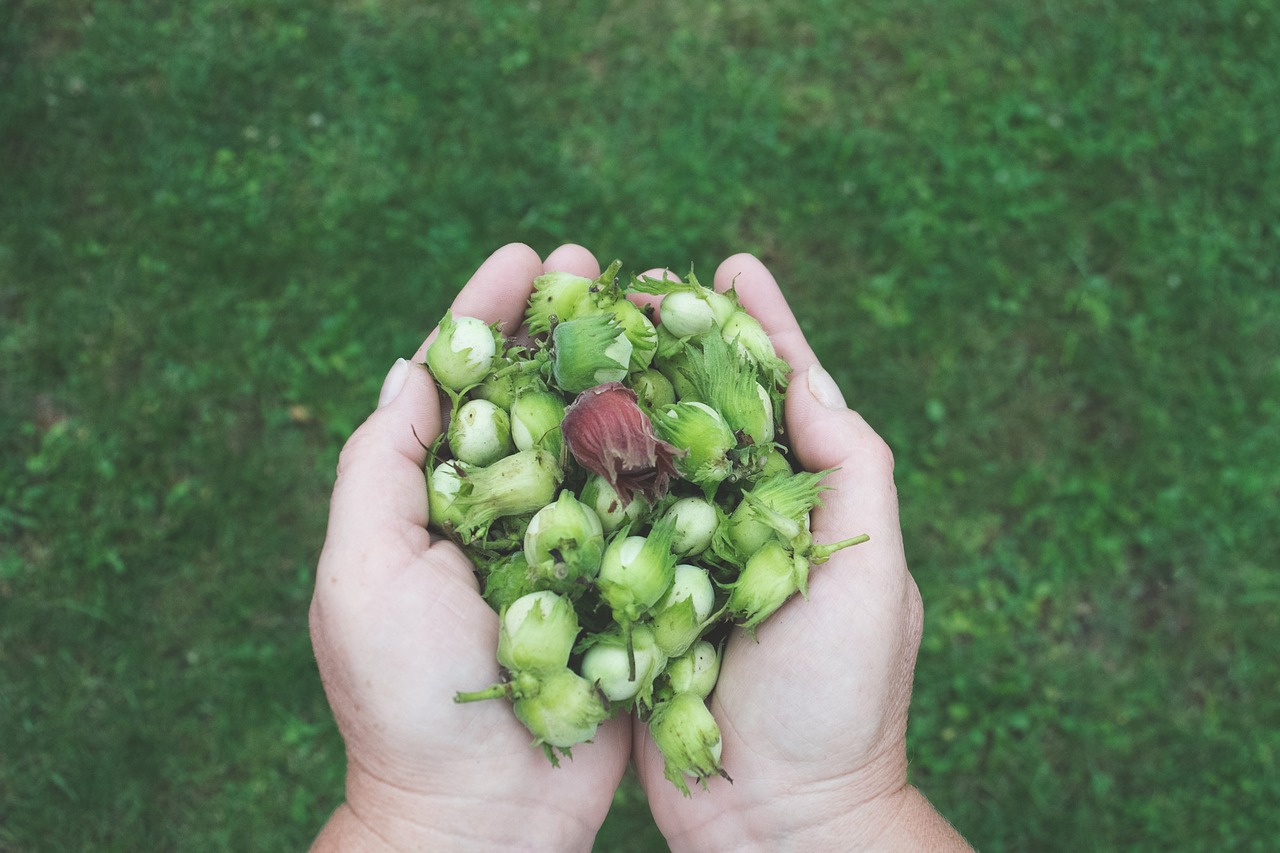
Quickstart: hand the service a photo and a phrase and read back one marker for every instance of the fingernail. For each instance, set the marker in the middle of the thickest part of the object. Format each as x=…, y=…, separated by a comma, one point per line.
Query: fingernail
x=824, y=389
x=391, y=386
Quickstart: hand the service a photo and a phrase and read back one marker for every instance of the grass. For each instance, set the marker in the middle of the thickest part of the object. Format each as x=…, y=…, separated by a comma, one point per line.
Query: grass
x=1035, y=243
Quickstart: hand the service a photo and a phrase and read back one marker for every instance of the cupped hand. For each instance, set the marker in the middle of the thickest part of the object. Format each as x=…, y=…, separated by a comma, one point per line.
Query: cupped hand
x=398, y=627
x=813, y=715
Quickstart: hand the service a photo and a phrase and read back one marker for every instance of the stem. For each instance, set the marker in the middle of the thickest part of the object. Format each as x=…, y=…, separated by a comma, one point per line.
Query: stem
x=609, y=277
x=820, y=553
x=497, y=691
x=631, y=651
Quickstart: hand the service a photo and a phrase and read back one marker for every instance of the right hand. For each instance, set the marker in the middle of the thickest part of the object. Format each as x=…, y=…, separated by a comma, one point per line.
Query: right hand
x=812, y=717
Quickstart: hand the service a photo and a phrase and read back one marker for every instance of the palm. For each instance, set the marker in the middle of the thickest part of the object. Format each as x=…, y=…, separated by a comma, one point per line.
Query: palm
x=430, y=636
x=810, y=703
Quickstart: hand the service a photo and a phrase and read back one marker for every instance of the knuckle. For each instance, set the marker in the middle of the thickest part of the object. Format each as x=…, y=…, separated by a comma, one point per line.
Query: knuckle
x=915, y=612
x=879, y=454
x=352, y=451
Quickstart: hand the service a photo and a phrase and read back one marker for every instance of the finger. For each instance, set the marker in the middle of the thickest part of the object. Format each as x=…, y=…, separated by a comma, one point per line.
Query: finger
x=379, y=499
x=823, y=431
x=574, y=259
x=568, y=258
x=497, y=292
x=823, y=405
x=760, y=295
x=643, y=299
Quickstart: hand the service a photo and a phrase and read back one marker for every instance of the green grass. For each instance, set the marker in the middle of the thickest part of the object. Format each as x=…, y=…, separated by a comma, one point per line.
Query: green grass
x=1035, y=242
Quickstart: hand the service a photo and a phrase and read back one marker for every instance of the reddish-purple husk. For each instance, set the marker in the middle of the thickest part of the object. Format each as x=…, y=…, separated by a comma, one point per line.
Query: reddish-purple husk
x=608, y=434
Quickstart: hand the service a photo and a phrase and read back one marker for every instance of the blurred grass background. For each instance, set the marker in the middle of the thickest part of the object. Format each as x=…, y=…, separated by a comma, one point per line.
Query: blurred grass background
x=1037, y=243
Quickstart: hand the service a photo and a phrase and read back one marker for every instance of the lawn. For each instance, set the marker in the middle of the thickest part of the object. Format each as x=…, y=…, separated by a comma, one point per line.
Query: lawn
x=1037, y=243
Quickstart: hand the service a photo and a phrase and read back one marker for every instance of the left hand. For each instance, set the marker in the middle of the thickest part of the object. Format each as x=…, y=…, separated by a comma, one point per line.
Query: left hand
x=398, y=626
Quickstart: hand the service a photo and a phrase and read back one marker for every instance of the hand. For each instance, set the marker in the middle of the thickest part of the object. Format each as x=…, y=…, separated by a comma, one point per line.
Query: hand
x=813, y=717
x=398, y=627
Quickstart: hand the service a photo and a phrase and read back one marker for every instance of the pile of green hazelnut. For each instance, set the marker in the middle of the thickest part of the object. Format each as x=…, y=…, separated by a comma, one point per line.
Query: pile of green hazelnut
x=622, y=491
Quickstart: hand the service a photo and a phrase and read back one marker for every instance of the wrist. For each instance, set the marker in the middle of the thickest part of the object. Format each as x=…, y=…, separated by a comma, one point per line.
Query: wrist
x=910, y=822
x=899, y=820
x=378, y=816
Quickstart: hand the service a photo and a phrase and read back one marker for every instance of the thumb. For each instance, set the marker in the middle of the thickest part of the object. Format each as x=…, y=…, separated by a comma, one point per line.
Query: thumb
x=380, y=498
x=823, y=431
x=826, y=434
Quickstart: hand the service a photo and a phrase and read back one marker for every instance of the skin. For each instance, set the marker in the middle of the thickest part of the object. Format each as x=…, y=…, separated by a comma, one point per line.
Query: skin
x=813, y=716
